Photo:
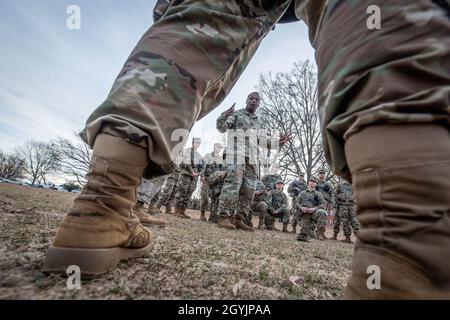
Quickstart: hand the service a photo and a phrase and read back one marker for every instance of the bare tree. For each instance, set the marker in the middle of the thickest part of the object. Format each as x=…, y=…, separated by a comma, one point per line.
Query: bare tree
x=74, y=158
x=289, y=105
x=41, y=159
x=11, y=165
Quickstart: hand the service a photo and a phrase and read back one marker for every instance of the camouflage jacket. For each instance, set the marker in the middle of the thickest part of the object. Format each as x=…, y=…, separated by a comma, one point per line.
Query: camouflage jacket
x=244, y=135
x=262, y=192
x=296, y=187
x=270, y=179
x=213, y=165
x=344, y=194
x=191, y=162
x=277, y=200
x=308, y=199
x=326, y=189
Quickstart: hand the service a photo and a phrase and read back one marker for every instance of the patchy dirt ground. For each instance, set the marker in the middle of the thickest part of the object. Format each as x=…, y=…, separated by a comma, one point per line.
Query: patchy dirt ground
x=191, y=260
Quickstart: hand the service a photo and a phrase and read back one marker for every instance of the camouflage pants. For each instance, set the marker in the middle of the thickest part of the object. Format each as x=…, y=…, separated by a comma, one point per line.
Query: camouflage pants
x=168, y=192
x=204, y=197
x=155, y=198
x=309, y=222
x=186, y=186
x=237, y=191
x=347, y=216
x=258, y=208
x=214, y=194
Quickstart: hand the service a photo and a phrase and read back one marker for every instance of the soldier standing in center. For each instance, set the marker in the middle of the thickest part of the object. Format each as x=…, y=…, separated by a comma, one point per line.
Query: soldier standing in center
x=240, y=183
x=187, y=181
x=294, y=190
x=345, y=212
x=212, y=161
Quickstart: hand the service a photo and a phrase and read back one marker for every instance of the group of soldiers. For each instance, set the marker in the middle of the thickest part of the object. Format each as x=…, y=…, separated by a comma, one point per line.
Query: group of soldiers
x=233, y=194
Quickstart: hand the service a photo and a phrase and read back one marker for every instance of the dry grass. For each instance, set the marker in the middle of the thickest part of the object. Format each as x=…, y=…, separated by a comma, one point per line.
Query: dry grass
x=191, y=260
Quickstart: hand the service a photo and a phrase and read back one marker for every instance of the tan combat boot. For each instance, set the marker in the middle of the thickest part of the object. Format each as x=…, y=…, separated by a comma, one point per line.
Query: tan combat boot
x=202, y=215
x=148, y=219
x=168, y=210
x=100, y=228
x=224, y=222
x=320, y=234
x=241, y=225
x=180, y=212
x=154, y=210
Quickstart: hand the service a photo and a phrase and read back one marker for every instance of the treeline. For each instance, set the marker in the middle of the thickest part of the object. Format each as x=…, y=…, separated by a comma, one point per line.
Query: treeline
x=37, y=160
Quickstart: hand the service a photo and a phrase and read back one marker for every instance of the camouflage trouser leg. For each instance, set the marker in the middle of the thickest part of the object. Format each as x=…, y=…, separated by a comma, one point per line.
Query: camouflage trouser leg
x=260, y=209
x=310, y=222
x=269, y=221
x=185, y=188
x=181, y=69
x=204, y=201
x=238, y=187
x=168, y=192
x=349, y=221
x=285, y=218
x=337, y=220
x=144, y=190
x=214, y=194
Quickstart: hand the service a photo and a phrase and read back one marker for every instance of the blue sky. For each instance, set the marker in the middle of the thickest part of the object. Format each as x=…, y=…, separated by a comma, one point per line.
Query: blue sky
x=52, y=78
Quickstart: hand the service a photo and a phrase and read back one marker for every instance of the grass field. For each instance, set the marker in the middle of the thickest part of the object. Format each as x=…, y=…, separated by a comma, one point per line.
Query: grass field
x=191, y=260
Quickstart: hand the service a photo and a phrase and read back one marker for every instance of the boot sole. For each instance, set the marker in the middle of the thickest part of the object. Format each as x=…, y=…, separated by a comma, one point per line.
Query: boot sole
x=92, y=262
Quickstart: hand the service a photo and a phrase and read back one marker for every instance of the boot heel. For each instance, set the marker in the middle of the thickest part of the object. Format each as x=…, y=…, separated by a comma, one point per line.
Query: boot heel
x=91, y=262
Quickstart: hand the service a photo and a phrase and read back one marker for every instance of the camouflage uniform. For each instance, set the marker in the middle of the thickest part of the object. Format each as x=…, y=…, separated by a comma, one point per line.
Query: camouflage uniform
x=309, y=221
x=296, y=187
x=211, y=173
x=259, y=205
x=148, y=190
x=170, y=89
x=277, y=203
x=270, y=179
x=240, y=183
x=345, y=211
x=187, y=183
x=294, y=190
x=204, y=195
x=326, y=189
x=167, y=195
x=397, y=75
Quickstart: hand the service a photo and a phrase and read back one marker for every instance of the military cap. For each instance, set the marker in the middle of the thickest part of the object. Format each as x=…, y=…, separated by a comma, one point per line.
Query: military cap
x=313, y=179
x=198, y=140
x=301, y=173
x=218, y=145
x=322, y=171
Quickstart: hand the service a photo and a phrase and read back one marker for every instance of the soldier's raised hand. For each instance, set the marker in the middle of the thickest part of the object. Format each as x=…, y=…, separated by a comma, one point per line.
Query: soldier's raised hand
x=231, y=110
